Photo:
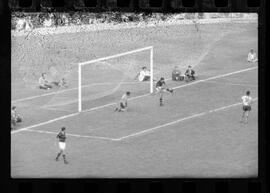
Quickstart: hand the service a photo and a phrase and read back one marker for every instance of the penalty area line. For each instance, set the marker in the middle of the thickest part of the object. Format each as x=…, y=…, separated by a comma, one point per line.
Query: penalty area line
x=73, y=135
x=132, y=98
x=178, y=121
x=144, y=131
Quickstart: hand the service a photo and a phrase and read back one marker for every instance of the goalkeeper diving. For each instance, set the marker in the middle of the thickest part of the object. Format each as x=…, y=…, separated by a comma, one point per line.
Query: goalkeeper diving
x=123, y=102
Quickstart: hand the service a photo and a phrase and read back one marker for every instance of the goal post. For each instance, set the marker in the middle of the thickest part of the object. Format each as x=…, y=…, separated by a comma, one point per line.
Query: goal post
x=98, y=60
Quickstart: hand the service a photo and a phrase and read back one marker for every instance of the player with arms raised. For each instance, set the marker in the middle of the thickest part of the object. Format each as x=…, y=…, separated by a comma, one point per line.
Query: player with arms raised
x=246, y=99
x=161, y=87
x=123, y=102
x=61, y=137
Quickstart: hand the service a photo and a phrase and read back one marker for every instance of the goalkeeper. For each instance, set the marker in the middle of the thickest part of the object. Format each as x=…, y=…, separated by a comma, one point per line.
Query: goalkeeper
x=161, y=87
x=123, y=103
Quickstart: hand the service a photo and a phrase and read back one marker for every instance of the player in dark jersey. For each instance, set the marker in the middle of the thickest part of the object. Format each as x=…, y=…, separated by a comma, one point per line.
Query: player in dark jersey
x=161, y=87
x=61, y=137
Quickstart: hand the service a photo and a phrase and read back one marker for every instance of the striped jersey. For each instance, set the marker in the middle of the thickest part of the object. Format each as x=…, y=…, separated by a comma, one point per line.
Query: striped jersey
x=160, y=83
x=61, y=136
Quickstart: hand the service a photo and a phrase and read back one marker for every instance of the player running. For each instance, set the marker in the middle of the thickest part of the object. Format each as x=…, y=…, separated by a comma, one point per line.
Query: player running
x=123, y=102
x=246, y=99
x=161, y=87
x=62, y=144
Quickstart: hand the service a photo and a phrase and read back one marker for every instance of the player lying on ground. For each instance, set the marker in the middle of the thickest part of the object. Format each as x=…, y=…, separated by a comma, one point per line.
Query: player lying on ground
x=247, y=100
x=15, y=117
x=61, y=84
x=252, y=57
x=143, y=75
x=176, y=74
x=61, y=137
x=123, y=103
x=161, y=87
x=43, y=82
x=189, y=74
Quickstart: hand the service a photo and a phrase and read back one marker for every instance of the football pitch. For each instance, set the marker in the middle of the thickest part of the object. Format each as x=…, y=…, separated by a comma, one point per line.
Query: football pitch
x=196, y=133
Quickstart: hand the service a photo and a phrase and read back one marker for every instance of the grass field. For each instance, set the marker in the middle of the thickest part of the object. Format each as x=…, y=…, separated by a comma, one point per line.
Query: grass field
x=195, y=134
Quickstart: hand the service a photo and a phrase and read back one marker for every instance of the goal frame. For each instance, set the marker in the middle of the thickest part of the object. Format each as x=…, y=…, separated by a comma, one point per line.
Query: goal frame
x=150, y=48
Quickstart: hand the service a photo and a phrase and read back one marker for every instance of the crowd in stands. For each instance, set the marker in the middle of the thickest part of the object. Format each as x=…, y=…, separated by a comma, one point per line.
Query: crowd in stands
x=45, y=19
x=24, y=20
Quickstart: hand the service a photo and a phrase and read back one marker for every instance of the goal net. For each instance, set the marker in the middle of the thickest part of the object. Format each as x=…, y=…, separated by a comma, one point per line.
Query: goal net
x=103, y=80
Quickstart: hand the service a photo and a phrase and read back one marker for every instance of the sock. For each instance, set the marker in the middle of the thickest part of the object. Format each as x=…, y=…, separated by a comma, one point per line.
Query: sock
x=160, y=101
x=58, y=156
x=64, y=157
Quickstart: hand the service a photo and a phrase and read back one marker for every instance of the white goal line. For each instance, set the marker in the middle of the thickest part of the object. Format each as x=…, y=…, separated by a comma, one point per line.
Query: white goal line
x=132, y=98
x=75, y=88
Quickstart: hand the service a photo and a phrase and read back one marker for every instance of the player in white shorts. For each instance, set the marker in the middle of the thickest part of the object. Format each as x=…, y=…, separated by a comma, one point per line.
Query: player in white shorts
x=123, y=102
x=247, y=100
x=62, y=144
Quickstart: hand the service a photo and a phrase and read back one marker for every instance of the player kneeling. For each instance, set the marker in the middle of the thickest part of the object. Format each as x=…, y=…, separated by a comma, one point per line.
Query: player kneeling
x=252, y=56
x=161, y=87
x=123, y=103
x=15, y=118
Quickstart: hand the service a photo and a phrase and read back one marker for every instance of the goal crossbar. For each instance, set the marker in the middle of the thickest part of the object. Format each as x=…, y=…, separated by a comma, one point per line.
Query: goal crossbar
x=111, y=57
x=116, y=55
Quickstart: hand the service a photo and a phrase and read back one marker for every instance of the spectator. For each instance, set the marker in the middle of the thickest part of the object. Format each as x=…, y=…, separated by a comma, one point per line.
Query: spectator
x=252, y=57
x=64, y=19
x=176, y=74
x=143, y=75
x=43, y=82
x=48, y=22
x=15, y=117
x=189, y=74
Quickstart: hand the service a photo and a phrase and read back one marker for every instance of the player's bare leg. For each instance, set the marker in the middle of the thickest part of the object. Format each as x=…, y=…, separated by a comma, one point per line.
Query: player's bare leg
x=246, y=121
x=243, y=116
x=58, y=155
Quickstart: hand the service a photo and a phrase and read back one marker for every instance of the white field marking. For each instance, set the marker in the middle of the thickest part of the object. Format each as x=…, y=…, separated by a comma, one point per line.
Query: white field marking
x=144, y=131
x=110, y=104
x=44, y=123
x=178, y=121
x=73, y=135
x=71, y=89
x=55, y=109
x=234, y=84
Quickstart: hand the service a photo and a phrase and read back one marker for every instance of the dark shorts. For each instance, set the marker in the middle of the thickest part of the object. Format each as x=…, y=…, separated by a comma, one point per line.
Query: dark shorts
x=122, y=105
x=146, y=78
x=246, y=108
